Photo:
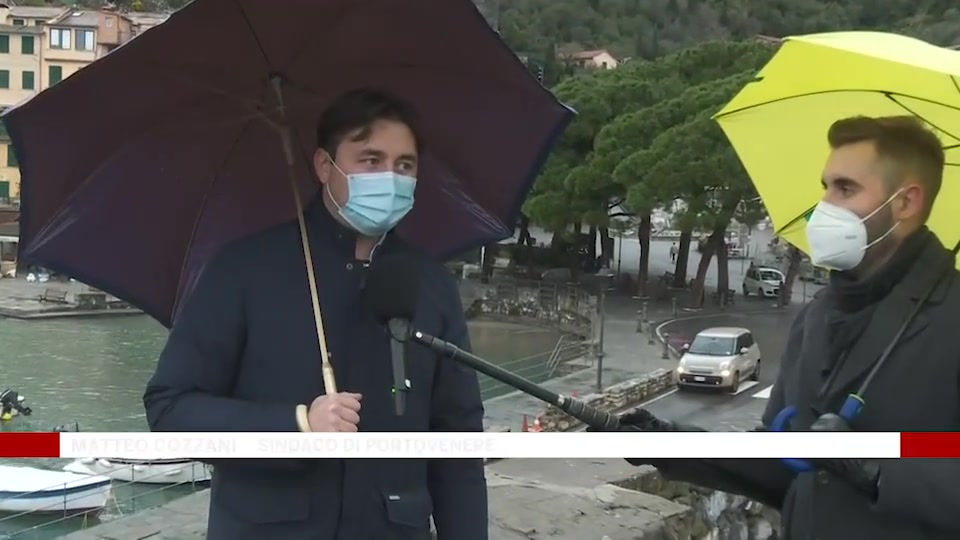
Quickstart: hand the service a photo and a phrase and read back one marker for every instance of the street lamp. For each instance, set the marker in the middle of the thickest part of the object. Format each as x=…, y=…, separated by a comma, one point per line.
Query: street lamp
x=604, y=277
x=619, y=251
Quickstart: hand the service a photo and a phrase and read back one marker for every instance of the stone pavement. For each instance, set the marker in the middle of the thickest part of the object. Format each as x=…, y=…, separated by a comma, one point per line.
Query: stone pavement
x=18, y=294
x=527, y=503
x=523, y=506
x=182, y=519
x=20, y=299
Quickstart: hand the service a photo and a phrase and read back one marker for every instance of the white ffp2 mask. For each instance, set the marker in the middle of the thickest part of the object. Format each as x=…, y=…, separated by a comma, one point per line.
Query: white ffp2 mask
x=838, y=237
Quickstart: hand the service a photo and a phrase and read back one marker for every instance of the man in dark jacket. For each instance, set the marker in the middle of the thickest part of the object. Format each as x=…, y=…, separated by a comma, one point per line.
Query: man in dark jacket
x=243, y=356
x=880, y=183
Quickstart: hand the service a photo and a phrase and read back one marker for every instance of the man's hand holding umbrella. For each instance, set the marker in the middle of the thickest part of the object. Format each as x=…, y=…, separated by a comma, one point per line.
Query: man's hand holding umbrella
x=335, y=413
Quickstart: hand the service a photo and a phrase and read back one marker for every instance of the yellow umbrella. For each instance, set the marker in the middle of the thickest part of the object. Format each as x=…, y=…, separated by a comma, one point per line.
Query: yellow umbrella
x=778, y=123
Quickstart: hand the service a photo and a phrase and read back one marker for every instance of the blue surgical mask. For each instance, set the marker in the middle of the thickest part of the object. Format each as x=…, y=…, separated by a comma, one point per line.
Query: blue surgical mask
x=377, y=201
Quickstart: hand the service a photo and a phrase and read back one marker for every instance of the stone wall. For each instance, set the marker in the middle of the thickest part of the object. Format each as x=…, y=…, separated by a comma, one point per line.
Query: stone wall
x=566, y=324
x=614, y=398
x=559, y=306
x=717, y=515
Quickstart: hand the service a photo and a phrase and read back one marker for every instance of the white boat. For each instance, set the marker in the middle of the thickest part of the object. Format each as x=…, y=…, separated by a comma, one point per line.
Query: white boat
x=143, y=471
x=27, y=489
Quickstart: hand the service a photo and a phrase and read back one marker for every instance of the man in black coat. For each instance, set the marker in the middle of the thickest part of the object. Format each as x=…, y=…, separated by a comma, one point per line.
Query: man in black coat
x=243, y=356
x=880, y=183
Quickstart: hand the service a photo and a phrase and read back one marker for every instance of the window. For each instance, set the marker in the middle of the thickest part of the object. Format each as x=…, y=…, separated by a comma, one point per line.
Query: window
x=713, y=346
x=85, y=40
x=19, y=22
x=55, y=75
x=27, y=45
x=4, y=78
x=4, y=43
x=60, y=38
x=770, y=275
x=29, y=80
x=11, y=157
x=746, y=340
x=109, y=22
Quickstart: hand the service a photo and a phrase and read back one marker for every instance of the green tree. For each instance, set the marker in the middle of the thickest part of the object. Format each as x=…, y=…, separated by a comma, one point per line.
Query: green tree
x=700, y=79
x=694, y=162
x=576, y=186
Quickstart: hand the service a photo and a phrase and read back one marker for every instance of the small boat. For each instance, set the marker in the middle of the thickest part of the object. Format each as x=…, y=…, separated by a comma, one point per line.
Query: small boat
x=28, y=489
x=143, y=471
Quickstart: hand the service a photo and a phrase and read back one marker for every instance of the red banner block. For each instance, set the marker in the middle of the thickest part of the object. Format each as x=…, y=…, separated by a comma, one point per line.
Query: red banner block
x=930, y=445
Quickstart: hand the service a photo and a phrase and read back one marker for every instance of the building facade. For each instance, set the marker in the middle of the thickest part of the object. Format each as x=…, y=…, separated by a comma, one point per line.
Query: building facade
x=41, y=46
x=598, y=59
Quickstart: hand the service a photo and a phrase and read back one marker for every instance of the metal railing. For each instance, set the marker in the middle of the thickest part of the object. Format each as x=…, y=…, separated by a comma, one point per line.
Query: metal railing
x=554, y=361
x=537, y=368
x=37, y=522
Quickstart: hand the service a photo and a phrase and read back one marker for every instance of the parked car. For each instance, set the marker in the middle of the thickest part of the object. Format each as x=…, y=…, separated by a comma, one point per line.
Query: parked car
x=764, y=281
x=719, y=357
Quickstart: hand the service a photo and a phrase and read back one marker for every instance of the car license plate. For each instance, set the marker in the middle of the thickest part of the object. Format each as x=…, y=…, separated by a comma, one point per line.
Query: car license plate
x=700, y=379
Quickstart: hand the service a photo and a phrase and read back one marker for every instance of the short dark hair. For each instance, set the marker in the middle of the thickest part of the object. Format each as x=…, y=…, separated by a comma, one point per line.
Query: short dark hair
x=359, y=110
x=903, y=142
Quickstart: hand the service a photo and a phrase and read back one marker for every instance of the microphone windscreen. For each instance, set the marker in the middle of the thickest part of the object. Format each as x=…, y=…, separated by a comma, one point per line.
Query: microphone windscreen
x=392, y=287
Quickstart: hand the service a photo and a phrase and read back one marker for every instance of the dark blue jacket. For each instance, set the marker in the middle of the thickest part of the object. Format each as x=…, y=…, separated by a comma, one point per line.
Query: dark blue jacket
x=243, y=354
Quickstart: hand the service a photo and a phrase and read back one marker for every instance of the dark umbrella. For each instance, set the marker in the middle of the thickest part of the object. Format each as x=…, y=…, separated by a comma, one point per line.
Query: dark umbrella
x=141, y=166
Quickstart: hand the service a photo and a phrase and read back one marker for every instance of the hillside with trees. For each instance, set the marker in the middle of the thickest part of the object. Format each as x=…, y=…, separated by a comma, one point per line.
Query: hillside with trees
x=650, y=28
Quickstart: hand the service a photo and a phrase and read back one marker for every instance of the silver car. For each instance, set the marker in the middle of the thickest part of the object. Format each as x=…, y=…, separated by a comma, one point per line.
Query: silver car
x=764, y=281
x=720, y=357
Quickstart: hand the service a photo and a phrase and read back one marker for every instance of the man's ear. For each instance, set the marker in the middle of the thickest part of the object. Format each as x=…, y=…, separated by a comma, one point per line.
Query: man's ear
x=912, y=201
x=321, y=165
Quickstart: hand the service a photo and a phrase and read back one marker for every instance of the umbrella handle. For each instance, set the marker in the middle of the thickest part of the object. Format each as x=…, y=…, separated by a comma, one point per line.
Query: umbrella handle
x=329, y=380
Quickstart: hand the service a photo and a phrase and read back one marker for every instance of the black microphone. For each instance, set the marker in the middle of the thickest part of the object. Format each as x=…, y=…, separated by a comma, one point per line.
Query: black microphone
x=390, y=294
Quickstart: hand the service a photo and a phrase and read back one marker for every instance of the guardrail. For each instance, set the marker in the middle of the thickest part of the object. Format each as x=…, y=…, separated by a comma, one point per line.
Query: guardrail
x=554, y=361
x=54, y=518
x=537, y=368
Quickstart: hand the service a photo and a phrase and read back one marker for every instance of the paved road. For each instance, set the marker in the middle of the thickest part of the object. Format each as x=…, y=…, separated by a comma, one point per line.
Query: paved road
x=626, y=255
x=719, y=411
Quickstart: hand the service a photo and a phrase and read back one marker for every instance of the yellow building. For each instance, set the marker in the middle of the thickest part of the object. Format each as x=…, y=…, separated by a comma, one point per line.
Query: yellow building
x=41, y=46
x=21, y=50
x=74, y=39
